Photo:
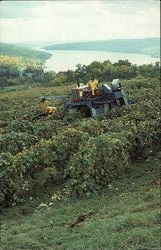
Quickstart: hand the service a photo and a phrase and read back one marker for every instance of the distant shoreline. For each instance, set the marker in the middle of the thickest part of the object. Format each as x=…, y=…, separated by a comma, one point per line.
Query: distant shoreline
x=145, y=46
x=45, y=50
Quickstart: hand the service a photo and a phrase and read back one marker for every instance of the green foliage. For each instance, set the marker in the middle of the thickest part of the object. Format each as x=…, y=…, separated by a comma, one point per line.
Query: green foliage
x=15, y=61
x=15, y=142
x=14, y=69
x=93, y=127
x=9, y=178
x=59, y=79
x=122, y=69
x=82, y=154
x=98, y=161
x=18, y=51
x=124, y=215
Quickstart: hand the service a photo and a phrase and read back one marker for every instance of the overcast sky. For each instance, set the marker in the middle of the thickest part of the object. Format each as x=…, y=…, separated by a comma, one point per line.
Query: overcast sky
x=78, y=20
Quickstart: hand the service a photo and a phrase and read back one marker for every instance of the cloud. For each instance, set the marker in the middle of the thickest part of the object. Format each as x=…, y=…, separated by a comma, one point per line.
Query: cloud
x=80, y=20
x=18, y=9
x=130, y=7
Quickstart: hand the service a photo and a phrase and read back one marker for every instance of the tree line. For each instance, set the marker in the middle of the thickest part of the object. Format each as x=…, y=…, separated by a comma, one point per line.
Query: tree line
x=10, y=68
x=107, y=71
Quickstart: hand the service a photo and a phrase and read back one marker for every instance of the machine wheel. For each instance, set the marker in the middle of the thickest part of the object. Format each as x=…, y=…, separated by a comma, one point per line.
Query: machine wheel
x=69, y=111
x=122, y=102
x=84, y=111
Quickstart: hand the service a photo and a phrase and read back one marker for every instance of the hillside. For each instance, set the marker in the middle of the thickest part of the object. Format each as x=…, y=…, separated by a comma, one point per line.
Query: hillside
x=18, y=51
x=150, y=46
x=125, y=217
x=69, y=182
x=35, y=44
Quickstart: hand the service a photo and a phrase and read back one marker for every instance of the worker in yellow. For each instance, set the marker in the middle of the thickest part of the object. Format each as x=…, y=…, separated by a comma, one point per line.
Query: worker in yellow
x=47, y=110
x=93, y=85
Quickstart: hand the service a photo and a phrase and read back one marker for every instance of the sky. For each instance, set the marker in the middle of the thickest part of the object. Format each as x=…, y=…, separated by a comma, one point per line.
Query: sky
x=78, y=20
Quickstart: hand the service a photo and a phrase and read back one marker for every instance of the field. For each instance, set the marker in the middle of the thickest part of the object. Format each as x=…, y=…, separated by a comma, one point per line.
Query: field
x=70, y=182
x=125, y=215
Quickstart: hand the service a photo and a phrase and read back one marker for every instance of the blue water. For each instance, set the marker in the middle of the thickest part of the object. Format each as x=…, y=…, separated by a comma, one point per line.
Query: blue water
x=63, y=60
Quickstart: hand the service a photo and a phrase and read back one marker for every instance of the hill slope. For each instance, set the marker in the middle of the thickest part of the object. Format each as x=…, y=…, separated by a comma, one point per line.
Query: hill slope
x=47, y=162
x=141, y=46
x=14, y=50
x=125, y=216
x=35, y=44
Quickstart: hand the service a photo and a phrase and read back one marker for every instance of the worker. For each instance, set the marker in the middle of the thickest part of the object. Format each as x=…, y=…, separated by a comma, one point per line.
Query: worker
x=78, y=82
x=47, y=110
x=93, y=85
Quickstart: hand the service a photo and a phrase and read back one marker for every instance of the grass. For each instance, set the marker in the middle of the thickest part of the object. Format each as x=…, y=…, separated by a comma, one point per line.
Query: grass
x=124, y=216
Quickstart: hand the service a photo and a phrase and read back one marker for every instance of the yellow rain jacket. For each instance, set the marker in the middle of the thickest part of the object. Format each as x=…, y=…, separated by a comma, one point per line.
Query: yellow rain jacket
x=93, y=85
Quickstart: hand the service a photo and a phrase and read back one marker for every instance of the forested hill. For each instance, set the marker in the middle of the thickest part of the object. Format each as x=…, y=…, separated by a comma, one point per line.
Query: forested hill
x=14, y=50
x=35, y=44
x=149, y=46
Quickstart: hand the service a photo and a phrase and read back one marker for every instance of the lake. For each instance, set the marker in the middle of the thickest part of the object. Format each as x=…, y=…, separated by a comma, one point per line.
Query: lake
x=62, y=60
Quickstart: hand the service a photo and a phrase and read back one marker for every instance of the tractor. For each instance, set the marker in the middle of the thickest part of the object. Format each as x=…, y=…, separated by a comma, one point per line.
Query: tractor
x=91, y=99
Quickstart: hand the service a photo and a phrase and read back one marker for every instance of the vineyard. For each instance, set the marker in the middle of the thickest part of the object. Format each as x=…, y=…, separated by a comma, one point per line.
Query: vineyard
x=80, y=125
x=10, y=65
x=79, y=155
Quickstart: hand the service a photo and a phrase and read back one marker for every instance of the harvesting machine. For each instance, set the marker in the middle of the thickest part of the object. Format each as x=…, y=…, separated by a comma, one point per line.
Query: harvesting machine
x=91, y=99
